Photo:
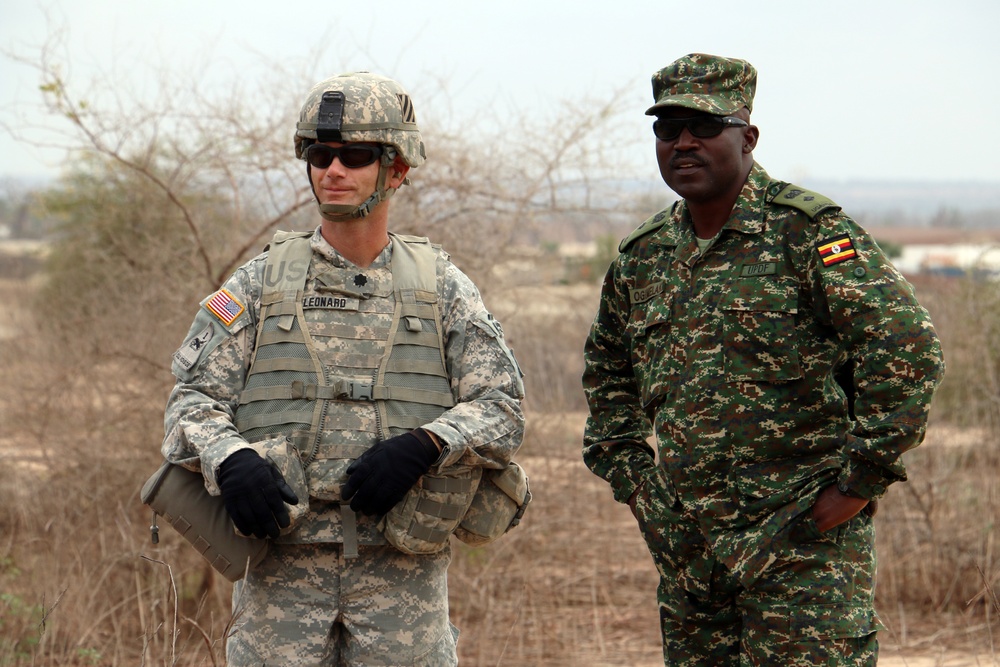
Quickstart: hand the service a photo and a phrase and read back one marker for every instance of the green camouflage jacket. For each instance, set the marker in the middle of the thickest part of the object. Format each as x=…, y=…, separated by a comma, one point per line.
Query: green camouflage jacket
x=729, y=358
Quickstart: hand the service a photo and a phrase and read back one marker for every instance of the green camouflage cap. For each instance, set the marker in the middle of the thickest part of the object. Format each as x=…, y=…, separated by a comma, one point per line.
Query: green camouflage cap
x=364, y=107
x=713, y=84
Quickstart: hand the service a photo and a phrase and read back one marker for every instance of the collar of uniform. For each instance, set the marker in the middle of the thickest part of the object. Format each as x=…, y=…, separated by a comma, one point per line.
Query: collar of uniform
x=321, y=247
x=747, y=217
x=748, y=213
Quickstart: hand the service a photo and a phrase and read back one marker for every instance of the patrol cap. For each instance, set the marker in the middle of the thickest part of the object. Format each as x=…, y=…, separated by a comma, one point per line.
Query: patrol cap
x=713, y=84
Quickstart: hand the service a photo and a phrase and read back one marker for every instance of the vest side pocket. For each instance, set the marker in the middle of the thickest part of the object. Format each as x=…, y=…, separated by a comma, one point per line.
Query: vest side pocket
x=282, y=455
x=429, y=513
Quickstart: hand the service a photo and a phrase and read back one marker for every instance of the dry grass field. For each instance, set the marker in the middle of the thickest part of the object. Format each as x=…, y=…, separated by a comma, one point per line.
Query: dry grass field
x=80, y=583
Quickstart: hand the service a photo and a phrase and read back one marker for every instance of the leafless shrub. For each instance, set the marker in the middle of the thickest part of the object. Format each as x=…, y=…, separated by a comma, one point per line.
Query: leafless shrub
x=937, y=532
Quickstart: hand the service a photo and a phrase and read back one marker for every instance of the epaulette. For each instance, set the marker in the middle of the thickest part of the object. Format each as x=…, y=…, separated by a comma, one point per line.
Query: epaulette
x=807, y=201
x=648, y=227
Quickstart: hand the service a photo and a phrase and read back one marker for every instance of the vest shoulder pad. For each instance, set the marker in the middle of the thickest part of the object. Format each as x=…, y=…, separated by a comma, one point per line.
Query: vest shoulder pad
x=410, y=238
x=281, y=237
x=648, y=227
x=807, y=201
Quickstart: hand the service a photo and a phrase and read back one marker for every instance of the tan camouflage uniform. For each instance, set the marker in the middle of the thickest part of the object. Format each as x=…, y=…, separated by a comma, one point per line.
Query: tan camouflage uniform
x=728, y=358
x=306, y=570
x=312, y=601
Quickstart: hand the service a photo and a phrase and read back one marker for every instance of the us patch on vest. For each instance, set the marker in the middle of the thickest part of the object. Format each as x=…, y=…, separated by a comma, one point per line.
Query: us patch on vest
x=836, y=250
x=190, y=351
x=225, y=306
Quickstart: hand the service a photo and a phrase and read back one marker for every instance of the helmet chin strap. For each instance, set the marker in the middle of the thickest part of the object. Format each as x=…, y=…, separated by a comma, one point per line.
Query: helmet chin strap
x=342, y=212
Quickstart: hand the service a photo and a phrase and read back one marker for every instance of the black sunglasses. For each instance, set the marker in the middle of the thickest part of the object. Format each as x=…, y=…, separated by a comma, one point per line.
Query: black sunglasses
x=703, y=127
x=352, y=156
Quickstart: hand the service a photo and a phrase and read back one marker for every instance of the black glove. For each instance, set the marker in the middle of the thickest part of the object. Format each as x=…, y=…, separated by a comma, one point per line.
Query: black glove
x=255, y=493
x=381, y=476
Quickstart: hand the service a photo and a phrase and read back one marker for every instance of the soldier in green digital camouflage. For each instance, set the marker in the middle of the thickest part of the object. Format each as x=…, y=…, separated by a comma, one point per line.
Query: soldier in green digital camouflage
x=342, y=380
x=723, y=329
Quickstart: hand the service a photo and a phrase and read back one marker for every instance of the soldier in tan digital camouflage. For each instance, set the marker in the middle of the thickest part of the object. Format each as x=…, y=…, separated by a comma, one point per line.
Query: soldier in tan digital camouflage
x=343, y=392
x=782, y=364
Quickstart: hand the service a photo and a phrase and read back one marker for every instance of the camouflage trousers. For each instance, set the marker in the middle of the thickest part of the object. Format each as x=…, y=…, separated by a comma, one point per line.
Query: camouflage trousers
x=813, y=605
x=305, y=604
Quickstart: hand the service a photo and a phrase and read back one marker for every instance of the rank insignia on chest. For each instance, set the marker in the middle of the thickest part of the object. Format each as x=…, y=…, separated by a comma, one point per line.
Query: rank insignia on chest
x=835, y=250
x=225, y=306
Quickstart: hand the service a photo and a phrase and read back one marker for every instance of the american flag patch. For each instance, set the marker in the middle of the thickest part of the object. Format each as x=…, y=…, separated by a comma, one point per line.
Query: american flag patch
x=836, y=250
x=224, y=306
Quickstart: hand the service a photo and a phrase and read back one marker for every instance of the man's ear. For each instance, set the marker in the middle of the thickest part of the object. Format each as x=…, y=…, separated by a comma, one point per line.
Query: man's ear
x=750, y=136
x=397, y=172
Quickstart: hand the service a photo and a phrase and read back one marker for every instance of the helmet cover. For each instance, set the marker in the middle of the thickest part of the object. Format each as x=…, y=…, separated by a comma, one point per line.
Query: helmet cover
x=360, y=107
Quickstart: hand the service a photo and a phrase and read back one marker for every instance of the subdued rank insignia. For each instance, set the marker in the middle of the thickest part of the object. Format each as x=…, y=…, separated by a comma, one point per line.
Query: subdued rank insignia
x=836, y=250
x=225, y=306
x=190, y=351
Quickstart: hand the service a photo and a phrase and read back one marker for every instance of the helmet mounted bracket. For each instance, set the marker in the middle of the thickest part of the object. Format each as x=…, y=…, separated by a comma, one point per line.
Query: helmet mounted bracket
x=330, y=118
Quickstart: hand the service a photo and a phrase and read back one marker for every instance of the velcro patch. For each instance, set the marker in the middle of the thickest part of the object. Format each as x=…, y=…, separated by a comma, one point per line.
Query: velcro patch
x=836, y=250
x=225, y=306
x=759, y=269
x=190, y=351
x=330, y=302
x=641, y=294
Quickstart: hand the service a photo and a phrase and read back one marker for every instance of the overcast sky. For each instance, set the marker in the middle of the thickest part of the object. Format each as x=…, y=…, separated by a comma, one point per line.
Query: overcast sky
x=849, y=90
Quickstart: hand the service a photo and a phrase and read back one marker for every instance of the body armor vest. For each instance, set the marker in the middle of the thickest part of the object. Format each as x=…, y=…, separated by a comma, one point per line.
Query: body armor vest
x=288, y=387
x=297, y=392
x=294, y=391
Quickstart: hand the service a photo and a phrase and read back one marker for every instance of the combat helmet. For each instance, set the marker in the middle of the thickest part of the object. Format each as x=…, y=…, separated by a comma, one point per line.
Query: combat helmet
x=361, y=107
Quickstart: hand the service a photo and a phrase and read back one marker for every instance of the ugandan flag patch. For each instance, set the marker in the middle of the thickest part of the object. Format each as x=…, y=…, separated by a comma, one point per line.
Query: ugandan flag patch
x=836, y=250
x=225, y=306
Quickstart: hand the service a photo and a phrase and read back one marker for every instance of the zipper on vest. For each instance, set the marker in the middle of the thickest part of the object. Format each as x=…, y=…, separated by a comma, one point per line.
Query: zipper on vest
x=382, y=435
x=325, y=407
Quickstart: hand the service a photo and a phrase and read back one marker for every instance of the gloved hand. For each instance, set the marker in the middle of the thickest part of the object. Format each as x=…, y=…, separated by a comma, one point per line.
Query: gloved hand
x=381, y=476
x=255, y=493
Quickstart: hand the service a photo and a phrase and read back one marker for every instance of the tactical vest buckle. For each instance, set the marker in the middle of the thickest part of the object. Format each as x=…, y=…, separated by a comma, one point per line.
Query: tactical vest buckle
x=355, y=391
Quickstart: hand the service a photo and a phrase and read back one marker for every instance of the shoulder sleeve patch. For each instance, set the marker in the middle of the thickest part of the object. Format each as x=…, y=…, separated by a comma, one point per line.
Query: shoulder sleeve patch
x=807, y=201
x=224, y=306
x=206, y=334
x=836, y=249
x=189, y=353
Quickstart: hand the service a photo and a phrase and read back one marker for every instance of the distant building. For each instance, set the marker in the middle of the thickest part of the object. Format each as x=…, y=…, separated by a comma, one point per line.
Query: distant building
x=944, y=252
